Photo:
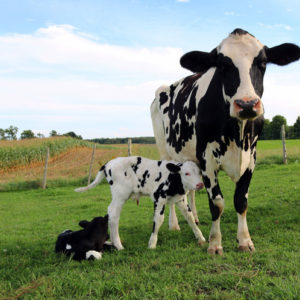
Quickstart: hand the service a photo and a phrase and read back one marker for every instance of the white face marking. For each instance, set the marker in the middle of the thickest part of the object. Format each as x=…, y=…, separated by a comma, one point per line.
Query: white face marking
x=241, y=49
x=96, y=254
x=68, y=247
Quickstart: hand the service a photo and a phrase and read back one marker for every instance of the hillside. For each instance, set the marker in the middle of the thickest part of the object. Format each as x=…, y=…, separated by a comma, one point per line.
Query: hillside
x=23, y=161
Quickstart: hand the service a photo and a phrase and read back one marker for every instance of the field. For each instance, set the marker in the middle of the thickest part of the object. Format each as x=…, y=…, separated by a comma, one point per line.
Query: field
x=31, y=219
x=177, y=269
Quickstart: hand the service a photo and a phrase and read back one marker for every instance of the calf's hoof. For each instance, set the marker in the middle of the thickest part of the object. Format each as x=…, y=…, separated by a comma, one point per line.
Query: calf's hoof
x=174, y=227
x=246, y=248
x=201, y=243
x=215, y=250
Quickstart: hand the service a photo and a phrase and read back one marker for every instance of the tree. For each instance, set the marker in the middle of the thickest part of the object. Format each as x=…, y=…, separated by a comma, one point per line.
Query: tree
x=275, y=125
x=266, y=132
x=40, y=135
x=11, y=132
x=53, y=133
x=2, y=134
x=296, y=129
x=27, y=134
x=73, y=135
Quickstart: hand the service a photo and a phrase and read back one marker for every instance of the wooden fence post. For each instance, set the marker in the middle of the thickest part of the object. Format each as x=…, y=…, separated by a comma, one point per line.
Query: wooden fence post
x=129, y=147
x=46, y=169
x=283, y=144
x=91, y=164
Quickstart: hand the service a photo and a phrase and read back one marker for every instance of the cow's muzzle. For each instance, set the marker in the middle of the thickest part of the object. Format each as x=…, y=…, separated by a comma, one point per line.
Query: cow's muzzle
x=247, y=109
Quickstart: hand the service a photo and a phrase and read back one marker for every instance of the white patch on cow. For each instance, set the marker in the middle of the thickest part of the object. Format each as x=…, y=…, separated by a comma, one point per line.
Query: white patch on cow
x=68, y=247
x=95, y=254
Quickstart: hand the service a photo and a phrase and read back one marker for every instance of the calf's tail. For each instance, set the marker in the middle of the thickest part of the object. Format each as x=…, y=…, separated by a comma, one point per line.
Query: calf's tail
x=99, y=177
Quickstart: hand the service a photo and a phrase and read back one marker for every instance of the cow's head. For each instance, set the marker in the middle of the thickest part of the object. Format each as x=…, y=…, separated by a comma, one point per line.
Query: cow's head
x=241, y=62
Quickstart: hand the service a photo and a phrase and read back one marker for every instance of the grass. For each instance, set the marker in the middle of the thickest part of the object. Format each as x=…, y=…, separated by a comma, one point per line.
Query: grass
x=178, y=269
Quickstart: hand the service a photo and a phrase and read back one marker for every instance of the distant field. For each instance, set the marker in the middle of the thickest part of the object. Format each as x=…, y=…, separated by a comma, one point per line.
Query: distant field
x=22, y=162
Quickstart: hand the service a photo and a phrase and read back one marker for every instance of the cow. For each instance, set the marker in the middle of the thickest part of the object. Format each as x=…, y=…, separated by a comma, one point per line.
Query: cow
x=164, y=181
x=214, y=118
x=87, y=243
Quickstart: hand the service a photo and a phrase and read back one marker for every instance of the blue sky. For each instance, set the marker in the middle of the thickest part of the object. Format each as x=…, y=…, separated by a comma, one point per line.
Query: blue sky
x=93, y=66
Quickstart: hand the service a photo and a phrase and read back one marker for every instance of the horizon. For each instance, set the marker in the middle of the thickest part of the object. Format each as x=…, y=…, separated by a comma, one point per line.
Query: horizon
x=93, y=67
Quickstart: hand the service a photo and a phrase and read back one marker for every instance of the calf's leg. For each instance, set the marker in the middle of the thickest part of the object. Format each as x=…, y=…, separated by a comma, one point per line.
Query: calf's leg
x=173, y=221
x=188, y=215
x=114, y=211
x=159, y=209
x=193, y=206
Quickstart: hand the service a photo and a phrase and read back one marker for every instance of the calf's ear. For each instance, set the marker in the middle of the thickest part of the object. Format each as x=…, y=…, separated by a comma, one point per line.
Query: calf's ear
x=173, y=168
x=198, y=61
x=84, y=223
x=283, y=54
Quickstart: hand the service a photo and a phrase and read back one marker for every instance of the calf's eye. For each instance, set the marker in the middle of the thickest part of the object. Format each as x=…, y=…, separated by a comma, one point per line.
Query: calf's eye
x=187, y=174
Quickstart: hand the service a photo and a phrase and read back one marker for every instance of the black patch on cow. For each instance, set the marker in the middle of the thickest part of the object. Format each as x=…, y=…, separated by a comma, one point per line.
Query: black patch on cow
x=257, y=72
x=145, y=176
x=173, y=168
x=240, y=31
x=159, y=177
x=189, y=209
x=102, y=168
x=163, y=98
x=175, y=185
x=229, y=73
x=214, y=210
x=242, y=186
x=159, y=163
x=136, y=166
x=206, y=182
x=160, y=193
x=162, y=210
x=125, y=173
x=216, y=191
x=111, y=182
x=105, y=173
x=153, y=228
x=165, y=111
x=183, y=108
x=109, y=172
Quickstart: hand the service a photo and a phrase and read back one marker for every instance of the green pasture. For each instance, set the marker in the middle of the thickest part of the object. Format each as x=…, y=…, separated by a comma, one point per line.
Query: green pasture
x=178, y=269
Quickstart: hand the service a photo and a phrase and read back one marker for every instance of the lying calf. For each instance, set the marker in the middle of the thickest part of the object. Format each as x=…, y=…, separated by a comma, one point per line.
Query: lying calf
x=87, y=243
x=164, y=181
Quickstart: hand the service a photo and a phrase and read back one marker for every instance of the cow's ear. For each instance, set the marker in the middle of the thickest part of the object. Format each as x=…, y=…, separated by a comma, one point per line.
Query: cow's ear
x=198, y=61
x=84, y=223
x=283, y=54
x=173, y=168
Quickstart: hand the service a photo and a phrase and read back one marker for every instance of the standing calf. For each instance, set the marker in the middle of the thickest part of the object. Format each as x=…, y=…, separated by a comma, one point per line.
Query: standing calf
x=164, y=181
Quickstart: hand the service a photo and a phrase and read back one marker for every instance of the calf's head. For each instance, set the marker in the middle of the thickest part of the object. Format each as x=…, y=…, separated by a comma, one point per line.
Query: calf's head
x=189, y=173
x=240, y=61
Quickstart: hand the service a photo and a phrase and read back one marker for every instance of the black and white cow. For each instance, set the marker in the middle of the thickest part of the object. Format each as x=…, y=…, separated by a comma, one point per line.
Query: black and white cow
x=87, y=243
x=214, y=118
x=164, y=181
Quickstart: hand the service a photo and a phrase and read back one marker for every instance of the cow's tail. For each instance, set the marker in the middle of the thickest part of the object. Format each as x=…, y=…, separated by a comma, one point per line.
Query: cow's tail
x=99, y=177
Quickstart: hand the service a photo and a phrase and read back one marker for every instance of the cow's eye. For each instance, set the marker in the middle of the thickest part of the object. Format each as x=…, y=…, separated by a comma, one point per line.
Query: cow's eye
x=187, y=174
x=263, y=65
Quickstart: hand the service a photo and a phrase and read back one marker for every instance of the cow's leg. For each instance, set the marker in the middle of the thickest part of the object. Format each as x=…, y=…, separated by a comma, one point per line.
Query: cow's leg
x=114, y=211
x=193, y=206
x=159, y=209
x=241, y=204
x=188, y=215
x=173, y=221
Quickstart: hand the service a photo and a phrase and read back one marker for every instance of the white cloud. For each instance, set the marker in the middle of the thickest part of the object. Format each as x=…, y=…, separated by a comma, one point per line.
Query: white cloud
x=276, y=26
x=183, y=1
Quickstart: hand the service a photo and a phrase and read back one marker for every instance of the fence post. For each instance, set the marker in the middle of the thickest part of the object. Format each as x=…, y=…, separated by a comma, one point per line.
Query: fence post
x=45, y=169
x=129, y=147
x=283, y=144
x=91, y=164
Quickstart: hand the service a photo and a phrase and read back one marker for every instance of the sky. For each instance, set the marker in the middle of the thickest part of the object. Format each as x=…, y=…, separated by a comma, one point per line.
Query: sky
x=93, y=66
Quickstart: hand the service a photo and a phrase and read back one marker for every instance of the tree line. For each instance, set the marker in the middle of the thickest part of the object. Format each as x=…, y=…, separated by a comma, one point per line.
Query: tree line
x=271, y=131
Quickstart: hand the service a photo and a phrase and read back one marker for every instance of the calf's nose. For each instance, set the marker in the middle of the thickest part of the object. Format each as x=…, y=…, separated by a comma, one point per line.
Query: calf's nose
x=200, y=186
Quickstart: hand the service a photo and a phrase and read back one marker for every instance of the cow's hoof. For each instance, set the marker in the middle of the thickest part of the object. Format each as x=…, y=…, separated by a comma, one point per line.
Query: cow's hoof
x=215, y=250
x=247, y=248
